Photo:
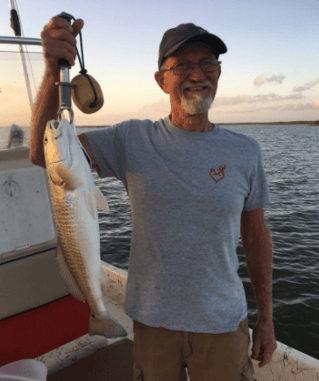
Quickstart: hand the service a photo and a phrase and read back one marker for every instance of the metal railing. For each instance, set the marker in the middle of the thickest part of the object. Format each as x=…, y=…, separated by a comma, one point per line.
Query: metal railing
x=20, y=40
x=23, y=41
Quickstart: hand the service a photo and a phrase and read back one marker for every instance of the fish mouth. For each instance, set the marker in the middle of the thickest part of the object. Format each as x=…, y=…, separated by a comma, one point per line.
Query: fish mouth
x=52, y=143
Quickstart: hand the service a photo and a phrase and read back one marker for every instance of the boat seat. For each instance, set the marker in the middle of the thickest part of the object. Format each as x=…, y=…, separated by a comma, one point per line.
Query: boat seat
x=26, y=221
x=29, y=275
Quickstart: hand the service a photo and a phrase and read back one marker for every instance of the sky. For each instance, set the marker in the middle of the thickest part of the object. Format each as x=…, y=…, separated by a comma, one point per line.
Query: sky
x=270, y=72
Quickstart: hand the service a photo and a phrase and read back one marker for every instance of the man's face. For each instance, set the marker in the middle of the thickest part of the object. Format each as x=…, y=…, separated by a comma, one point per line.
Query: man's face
x=192, y=93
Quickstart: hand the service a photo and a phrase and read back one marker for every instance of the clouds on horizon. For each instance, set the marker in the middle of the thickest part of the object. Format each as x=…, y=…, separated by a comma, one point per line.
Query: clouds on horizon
x=307, y=86
x=240, y=99
x=289, y=107
x=278, y=79
x=275, y=78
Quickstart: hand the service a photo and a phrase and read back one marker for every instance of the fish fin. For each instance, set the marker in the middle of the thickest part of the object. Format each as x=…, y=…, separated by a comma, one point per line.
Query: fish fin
x=101, y=202
x=105, y=326
x=90, y=204
x=70, y=179
x=67, y=276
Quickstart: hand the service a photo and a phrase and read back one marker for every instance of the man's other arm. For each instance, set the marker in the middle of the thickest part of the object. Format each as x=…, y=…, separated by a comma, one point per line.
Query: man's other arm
x=83, y=139
x=258, y=248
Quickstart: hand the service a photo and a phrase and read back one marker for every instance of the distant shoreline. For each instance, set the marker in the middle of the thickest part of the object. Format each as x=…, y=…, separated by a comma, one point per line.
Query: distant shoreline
x=309, y=122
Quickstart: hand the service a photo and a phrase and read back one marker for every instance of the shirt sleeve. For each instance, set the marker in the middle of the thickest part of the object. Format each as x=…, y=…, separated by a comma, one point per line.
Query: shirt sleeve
x=258, y=196
x=108, y=148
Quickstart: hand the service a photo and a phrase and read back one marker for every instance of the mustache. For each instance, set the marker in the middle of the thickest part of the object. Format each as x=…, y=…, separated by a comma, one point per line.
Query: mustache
x=191, y=85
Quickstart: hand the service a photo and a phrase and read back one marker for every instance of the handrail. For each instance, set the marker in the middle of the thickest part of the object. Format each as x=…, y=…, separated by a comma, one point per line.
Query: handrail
x=20, y=40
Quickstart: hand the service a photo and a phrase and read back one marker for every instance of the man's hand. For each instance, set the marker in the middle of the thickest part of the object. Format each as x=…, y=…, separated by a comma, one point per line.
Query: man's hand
x=58, y=41
x=264, y=342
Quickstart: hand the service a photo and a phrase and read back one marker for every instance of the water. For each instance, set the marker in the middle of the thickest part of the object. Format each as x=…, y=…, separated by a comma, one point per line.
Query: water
x=291, y=158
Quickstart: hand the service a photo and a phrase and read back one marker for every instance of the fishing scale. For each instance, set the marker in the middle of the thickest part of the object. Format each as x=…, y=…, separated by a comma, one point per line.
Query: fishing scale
x=84, y=89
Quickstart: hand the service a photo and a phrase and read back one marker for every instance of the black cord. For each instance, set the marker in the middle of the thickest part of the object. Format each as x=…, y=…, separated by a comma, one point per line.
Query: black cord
x=83, y=70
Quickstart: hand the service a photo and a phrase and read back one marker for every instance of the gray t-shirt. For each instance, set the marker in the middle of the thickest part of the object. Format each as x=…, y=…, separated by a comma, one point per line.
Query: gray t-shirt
x=187, y=191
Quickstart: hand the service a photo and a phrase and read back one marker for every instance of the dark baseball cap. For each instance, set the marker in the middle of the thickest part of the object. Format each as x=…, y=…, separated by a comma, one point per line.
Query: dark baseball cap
x=175, y=37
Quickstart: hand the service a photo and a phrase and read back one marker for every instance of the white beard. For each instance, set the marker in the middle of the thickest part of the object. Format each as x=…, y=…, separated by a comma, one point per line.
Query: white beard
x=197, y=104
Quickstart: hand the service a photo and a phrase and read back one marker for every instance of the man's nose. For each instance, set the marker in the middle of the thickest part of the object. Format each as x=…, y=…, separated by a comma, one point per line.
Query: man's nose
x=196, y=73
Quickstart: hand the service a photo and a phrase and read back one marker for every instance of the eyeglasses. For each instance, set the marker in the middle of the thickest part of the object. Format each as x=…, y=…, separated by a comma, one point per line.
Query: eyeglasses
x=184, y=68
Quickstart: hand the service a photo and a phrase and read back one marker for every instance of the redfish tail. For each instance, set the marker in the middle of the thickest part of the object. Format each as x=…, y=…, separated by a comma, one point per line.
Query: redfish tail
x=105, y=326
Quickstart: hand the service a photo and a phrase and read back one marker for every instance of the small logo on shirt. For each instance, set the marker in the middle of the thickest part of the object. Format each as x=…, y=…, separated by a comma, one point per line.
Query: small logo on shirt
x=217, y=176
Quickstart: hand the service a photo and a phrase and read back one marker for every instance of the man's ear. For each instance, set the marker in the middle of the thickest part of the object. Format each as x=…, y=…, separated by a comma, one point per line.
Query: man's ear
x=160, y=79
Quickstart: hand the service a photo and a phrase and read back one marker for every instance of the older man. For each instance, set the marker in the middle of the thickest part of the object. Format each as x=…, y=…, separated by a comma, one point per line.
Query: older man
x=193, y=188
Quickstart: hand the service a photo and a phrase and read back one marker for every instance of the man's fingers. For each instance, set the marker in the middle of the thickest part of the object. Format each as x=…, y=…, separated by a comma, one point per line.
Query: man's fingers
x=266, y=358
x=59, y=34
x=53, y=54
x=77, y=26
x=256, y=350
x=58, y=41
x=261, y=356
x=58, y=22
x=263, y=350
x=60, y=29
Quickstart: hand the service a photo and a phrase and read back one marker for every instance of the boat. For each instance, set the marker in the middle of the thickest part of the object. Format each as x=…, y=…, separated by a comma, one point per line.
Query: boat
x=39, y=319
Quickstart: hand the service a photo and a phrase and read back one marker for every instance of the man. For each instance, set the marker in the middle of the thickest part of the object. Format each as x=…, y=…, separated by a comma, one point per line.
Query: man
x=16, y=136
x=193, y=188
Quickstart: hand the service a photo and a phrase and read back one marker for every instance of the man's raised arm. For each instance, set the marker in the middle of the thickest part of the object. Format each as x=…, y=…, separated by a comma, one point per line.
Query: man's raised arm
x=58, y=40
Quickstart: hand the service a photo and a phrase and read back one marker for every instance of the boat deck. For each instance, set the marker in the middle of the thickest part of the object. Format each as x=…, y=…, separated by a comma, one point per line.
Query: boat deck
x=113, y=362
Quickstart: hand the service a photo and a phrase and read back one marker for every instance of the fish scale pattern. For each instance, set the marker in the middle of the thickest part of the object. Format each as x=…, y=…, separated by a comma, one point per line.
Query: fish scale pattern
x=78, y=229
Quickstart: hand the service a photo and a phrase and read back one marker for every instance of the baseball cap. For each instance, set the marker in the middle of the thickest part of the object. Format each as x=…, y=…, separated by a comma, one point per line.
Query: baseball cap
x=175, y=37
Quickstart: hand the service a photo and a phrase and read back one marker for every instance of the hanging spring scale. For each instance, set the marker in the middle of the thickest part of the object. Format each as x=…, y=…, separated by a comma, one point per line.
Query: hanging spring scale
x=65, y=103
x=84, y=89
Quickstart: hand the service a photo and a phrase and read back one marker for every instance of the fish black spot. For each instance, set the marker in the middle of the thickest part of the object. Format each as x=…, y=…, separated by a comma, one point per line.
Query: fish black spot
x=93, y=316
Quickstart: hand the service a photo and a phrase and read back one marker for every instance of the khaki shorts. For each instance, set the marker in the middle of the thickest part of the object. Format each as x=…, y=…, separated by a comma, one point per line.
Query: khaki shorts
x=161, y=355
